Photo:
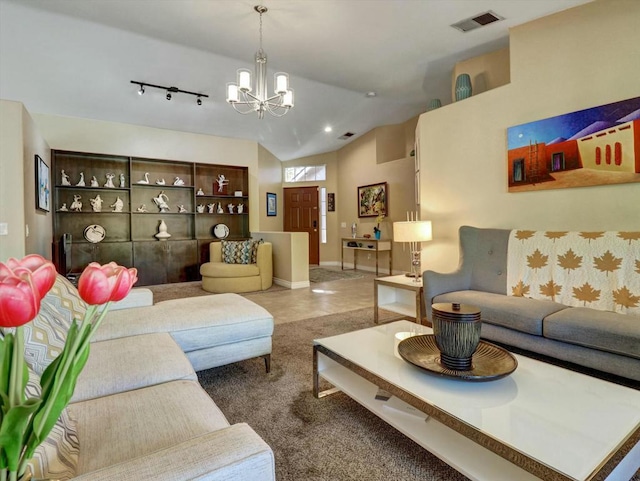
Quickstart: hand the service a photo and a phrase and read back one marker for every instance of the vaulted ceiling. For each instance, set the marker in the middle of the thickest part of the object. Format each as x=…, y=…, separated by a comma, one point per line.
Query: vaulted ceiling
x=77, y=58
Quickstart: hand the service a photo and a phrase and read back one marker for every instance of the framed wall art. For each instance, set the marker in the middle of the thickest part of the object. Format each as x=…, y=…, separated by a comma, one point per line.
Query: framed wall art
x=331, y=202
x=43, y=191
x=272, y=204
x=372, y=200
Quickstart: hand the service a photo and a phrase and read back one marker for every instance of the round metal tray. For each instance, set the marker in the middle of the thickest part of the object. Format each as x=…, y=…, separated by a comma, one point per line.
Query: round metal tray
x=489, y=362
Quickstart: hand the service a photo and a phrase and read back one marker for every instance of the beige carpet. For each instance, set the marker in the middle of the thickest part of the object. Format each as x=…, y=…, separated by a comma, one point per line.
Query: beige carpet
x=328, y=439
x=165, y=292
x=320, y=274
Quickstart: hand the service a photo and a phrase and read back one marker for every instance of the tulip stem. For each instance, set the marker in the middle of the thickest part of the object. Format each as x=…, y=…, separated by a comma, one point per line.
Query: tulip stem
x=17, y=368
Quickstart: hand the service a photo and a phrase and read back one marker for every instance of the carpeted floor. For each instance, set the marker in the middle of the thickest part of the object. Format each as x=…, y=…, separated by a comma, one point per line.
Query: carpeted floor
x=320, y=274
x=333, y=438
x=165, y=292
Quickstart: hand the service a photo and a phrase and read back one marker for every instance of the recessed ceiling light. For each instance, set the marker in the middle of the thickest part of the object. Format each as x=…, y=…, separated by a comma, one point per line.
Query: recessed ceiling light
x=328, y=128
x=371, y=94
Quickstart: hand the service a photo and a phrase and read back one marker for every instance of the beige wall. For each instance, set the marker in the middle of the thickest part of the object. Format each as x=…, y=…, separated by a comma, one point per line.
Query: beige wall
x=358, y=166
x=290, y=257
x=84, y=135
x=486, y=71
x=329, y=252
x=270, y=180
x=12, y=172
x=576, y=59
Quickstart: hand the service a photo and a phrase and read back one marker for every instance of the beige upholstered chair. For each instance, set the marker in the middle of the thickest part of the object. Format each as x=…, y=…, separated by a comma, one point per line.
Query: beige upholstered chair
x=218, y=276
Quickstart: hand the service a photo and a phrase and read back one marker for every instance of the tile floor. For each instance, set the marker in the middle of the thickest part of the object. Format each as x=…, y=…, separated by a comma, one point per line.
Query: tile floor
x=319, y=299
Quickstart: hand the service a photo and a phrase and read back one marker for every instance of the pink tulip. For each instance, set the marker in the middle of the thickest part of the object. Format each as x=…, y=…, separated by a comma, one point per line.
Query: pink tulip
x=19, y=297
x=110, y=282
x=42, y=271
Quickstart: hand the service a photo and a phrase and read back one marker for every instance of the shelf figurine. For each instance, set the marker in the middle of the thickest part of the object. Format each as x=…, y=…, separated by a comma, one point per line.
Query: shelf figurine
x=162, y=201
x=145, y=180
x=81, y=181
x=240, y=208
x=162, y=232
x=178, y=181
x=142, y=208
x=222, y=183
x=109, y=183
x=200, y=192
x=220, y=209
x=65, y=178
x=200, y=208
x=94, y=182
x=160, y=182
x=117, y=205
x=76, y=205
x=122, y=182
x=181, y=209
x=211, y=207
x=96, y=203
x=63, y=208
x=230, y=207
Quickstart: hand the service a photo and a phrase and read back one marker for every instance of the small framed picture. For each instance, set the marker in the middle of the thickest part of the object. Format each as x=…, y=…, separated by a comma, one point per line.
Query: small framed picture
x=43, y=190
x=331, y=202
x=272, y=204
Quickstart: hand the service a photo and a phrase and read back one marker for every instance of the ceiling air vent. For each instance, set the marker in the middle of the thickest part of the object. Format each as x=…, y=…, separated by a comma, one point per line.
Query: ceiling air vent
x=477, y=21
x=346, y=136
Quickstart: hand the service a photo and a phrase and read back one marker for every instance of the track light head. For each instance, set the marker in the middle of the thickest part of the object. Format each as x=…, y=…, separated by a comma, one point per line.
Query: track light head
x=199, y=101
x=168, y=95
x=141, y=90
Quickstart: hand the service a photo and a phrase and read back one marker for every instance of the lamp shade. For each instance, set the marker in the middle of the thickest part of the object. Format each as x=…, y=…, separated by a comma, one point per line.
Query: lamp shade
x=412, y=231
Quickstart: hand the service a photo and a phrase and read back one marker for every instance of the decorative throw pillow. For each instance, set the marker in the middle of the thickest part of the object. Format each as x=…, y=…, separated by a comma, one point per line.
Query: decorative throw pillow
x=57, y=455
x=44, y=337
x=239, y=252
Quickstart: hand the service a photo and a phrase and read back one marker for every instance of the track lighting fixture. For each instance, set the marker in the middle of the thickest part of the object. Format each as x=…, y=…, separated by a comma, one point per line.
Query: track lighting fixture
x=170, y=91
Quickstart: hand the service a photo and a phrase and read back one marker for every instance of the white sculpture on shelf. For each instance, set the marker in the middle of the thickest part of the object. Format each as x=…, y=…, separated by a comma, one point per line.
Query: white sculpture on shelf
x=93, y=182
x=162, y=201
x=220, y=208
x=162, y=231
x=160, y=182
x=81, y=181
x=181, y=209
x=109, y=183
x=230, y=207
x=76, y=205
x=240, y=208
x=211, y=207
x=96, y=203
x=65, y=178
x=117, y=205
x=63, y=208
x=142, y=208
x=200, y=192
x=145, y=180
x=178, y=181
x=222, y=181
x=200, y=208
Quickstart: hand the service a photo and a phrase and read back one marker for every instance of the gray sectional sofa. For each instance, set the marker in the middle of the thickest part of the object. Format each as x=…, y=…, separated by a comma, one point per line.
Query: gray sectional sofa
x=138, y=411
x=605, y=341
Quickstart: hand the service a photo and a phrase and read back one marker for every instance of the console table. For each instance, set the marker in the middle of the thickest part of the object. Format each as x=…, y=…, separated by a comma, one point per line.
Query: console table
x=377, y=246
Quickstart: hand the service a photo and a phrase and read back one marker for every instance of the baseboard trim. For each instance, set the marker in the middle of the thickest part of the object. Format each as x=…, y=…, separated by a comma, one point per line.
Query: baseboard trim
x=291, y=285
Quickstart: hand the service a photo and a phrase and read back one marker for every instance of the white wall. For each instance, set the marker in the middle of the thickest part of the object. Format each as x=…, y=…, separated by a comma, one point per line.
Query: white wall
x=576, y=59
x=85, y=135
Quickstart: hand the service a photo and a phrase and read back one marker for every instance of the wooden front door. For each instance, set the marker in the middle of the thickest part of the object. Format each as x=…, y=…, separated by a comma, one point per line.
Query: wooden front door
x=301, y=215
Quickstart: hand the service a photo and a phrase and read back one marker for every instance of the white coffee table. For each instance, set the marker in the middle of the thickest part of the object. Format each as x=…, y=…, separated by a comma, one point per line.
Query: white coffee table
x=540, y=422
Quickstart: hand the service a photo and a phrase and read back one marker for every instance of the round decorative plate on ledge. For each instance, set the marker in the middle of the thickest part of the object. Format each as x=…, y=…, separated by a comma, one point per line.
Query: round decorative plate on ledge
x=94, y=233
x=221, y=231
x=489, y=362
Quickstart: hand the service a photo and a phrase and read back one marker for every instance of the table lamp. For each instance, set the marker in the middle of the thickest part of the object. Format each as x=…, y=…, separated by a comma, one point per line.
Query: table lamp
x=414, y=232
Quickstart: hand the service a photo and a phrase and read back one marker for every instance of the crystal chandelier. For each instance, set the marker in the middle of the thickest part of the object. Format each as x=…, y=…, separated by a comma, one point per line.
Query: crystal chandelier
x=241, y=93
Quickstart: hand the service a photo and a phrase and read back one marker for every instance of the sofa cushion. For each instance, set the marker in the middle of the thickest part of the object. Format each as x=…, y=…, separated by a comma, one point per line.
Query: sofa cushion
x=119, y=365
x=194, y=322
x=117, y=428
x=44, y=337
x=57, y=455
x=239, y=252
x=603, y=330
x=521, y=314
x=223, y=270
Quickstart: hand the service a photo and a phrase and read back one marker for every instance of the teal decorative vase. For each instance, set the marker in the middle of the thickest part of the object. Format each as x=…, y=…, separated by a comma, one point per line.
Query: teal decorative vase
x=434, y=104
x=463, y=86
x=377, y=234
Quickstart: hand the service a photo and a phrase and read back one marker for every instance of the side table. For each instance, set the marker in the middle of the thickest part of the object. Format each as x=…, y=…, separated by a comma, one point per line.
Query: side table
x=400, y=294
